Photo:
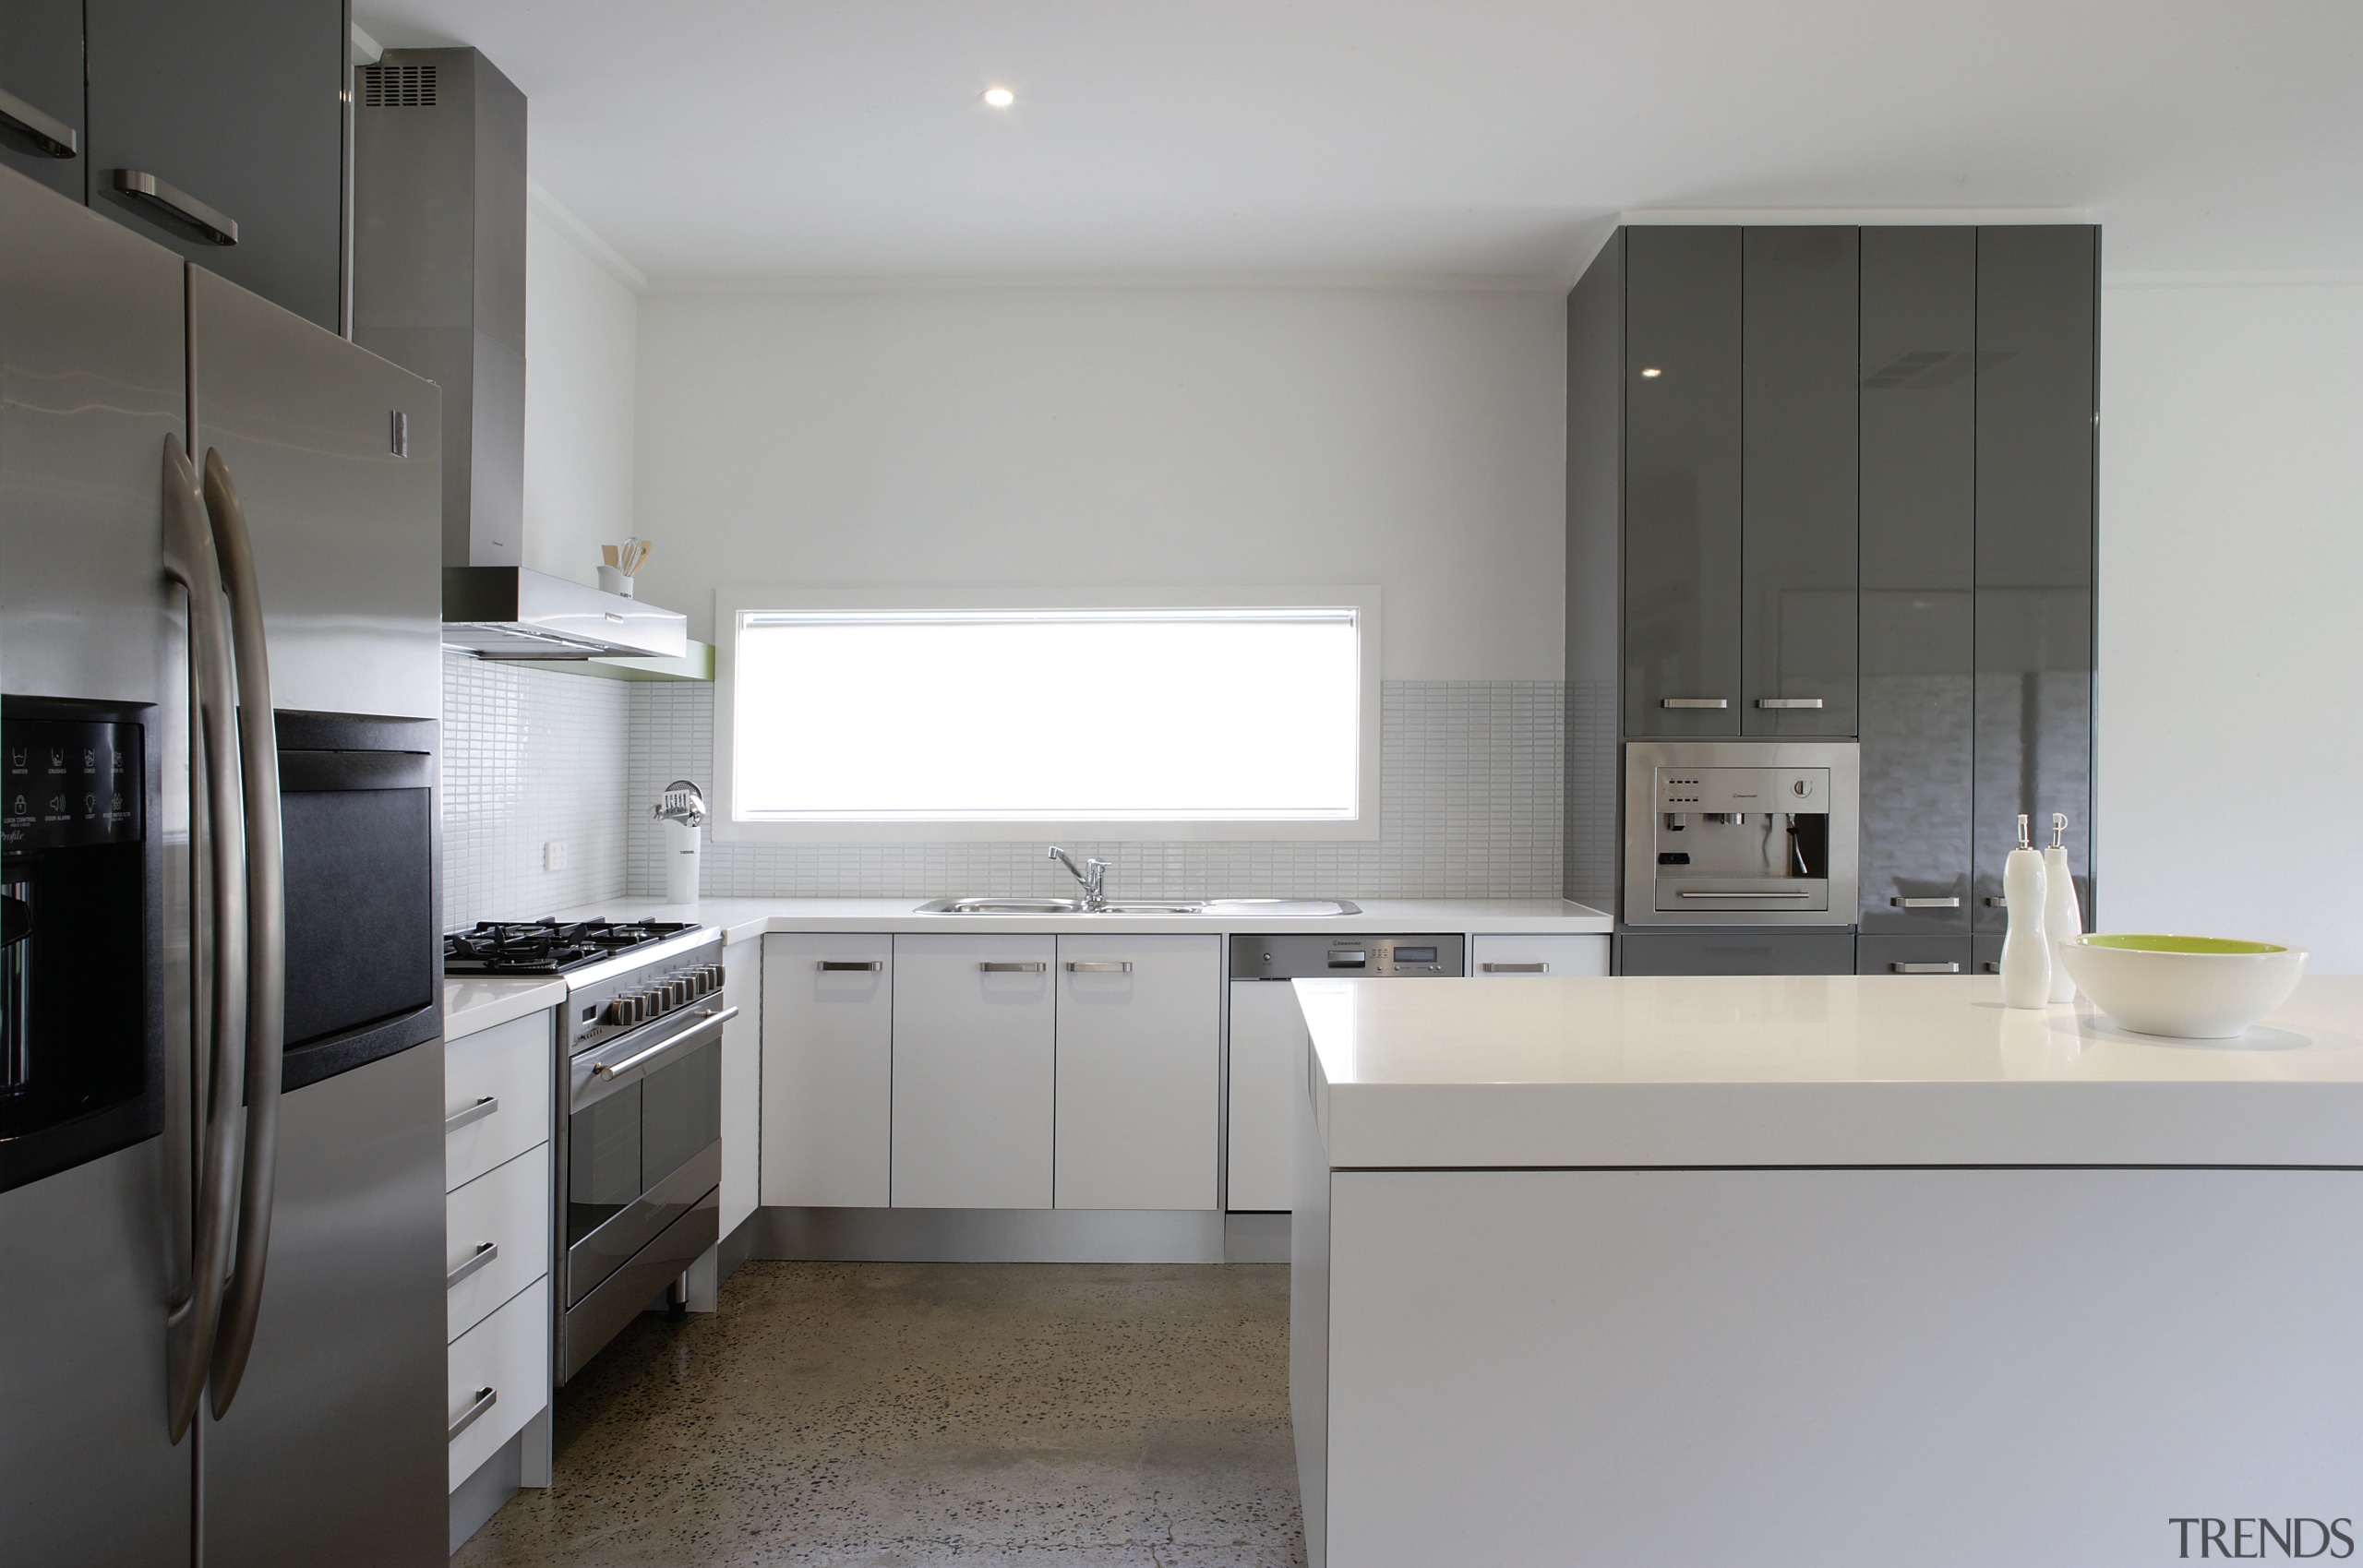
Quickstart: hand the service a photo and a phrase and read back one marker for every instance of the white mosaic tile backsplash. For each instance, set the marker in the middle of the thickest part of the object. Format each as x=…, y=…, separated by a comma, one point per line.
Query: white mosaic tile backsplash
x=1469, y=801
x=531, y=757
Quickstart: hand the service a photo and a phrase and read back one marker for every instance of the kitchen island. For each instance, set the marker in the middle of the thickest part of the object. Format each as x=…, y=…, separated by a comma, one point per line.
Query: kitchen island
x=1840, y=1271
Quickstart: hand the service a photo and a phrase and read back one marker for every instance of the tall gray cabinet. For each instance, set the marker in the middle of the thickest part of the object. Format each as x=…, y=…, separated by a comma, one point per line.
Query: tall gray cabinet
x=1833, y=482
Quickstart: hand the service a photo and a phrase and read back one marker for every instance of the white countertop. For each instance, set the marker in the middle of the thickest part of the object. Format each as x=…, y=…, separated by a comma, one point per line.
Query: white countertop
x=474, y=1005
x=1872, y=1069
x=744, y=918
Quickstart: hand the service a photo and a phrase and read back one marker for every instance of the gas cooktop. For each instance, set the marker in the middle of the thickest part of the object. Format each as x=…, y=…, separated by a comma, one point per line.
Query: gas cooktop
x=548, y=946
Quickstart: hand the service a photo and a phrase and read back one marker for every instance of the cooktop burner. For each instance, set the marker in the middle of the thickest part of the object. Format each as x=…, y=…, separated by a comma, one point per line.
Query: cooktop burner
x=548, y=947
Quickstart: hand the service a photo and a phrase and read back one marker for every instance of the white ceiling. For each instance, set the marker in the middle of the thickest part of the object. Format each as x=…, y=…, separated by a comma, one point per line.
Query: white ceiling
x=730, y=138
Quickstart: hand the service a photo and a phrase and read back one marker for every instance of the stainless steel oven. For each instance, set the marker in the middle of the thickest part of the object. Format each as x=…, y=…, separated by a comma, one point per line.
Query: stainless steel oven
x=640, y=1153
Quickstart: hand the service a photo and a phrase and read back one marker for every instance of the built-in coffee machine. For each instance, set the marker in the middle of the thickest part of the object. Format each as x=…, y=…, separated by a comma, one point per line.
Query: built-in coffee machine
x=1741, y=833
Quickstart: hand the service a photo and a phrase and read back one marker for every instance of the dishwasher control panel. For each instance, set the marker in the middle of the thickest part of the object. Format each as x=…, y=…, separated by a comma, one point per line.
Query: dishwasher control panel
x=1296, y=955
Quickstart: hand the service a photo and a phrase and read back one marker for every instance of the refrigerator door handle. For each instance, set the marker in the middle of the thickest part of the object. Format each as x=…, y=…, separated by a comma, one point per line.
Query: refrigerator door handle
x=266, y=931
x=192, y=1321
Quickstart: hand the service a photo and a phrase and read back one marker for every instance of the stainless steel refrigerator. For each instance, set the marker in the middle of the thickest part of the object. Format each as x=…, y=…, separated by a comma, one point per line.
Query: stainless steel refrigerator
x=222, y=1314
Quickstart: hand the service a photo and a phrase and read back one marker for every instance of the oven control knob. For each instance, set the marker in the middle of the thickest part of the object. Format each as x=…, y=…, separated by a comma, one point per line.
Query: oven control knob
x=619, y=1010
x=708, y=982
x=676, y=991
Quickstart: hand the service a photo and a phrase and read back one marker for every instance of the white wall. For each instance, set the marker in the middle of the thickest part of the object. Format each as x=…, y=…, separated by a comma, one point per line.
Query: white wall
x=2231, y=606
x=1121, y=434
x=581, y=344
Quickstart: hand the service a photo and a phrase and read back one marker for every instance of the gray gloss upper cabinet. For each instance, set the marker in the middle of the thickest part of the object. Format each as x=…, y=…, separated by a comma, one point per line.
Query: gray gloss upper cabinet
x=240, y=109
x=2037, y=379
x=1682, y=481
x=1919, y=569
x=40, y=91
x=1798, y=460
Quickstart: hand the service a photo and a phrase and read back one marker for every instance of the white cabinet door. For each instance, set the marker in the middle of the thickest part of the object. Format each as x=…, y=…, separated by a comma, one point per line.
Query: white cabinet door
x=1140, y=1072
x=1556, y=954
x=497, y=1234
x=498, y=1085
x=1268, y=1046
x=975, y=1071
x=827, y=1070
x=742, y=1080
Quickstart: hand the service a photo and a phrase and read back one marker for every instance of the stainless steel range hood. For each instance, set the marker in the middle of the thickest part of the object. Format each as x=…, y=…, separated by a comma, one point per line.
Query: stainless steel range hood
x=439, y=287
x=511, y=613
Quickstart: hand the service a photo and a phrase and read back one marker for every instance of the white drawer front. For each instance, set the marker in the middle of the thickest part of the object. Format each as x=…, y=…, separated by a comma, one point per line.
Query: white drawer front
x=508, y=1353
x=1508, y=958
x=503, y=1218
x=509, y=1065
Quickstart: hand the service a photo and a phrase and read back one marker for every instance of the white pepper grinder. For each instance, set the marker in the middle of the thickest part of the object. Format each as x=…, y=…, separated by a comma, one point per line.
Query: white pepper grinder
x=2026, y=962
x=2062, y=917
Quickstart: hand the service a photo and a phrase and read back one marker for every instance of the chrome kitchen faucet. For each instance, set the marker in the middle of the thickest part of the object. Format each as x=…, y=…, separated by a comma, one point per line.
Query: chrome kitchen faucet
x=1093, y=875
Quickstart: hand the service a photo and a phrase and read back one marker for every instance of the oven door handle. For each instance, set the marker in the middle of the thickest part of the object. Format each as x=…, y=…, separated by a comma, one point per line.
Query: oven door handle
x=707, y=1021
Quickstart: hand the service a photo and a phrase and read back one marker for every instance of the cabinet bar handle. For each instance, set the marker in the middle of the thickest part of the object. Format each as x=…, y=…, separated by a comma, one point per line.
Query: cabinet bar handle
x=1514, y=968
x=834, y=965
x=1925, y=903
x=1997, y=902
x=53, y=135
x=476, y=1260
x=476, y=1112
x=1788, y=701
x=1012, y=968
x=1800, y=892
x=219, y=227
x=484, y=1400
x=1926, y=968
x=1991, y=968
x=1694, y=703
x=1083, y=966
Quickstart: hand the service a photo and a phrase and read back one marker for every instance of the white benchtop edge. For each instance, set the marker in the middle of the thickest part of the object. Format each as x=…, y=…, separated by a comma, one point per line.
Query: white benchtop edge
x=472, y=1005
x=1843, y=1070
x=739, y=918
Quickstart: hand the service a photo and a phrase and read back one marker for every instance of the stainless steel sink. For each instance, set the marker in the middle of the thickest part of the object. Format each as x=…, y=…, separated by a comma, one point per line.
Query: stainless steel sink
x=1289, y=907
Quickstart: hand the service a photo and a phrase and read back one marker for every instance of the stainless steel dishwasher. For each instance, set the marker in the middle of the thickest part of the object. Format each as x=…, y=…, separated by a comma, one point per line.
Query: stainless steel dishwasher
x=1268, y=1041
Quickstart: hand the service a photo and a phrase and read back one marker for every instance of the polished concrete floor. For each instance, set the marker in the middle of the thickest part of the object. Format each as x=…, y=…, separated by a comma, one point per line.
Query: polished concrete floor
x=894, y=1413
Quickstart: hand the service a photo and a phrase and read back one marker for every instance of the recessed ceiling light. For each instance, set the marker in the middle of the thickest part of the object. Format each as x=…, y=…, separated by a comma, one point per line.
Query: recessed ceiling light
x=1652, y=374
x=999, y=97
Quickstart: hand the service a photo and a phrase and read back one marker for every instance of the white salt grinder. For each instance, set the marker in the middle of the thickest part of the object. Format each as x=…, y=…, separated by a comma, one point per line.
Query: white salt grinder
x=2026, y=962
x=2062, y=917
x=682, y=811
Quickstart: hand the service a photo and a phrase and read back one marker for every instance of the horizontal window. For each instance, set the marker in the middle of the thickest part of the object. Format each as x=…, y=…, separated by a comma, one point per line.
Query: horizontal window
x=1147, y=715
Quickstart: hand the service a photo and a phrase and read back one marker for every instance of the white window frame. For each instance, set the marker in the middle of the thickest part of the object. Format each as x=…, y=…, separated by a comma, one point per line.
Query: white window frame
x=731, y=605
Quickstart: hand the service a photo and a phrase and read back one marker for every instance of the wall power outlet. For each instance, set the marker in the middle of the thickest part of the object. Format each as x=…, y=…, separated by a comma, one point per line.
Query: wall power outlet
x=557, y=855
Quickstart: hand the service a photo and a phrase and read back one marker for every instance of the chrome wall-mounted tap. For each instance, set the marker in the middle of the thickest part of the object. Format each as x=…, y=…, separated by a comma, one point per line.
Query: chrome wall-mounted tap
x=1092, y=874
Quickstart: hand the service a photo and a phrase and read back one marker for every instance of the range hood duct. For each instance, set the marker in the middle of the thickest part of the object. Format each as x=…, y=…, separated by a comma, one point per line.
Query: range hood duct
x=439, y=287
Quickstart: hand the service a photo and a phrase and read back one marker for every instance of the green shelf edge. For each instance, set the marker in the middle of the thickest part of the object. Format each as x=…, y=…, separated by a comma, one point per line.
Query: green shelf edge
x=696, y=664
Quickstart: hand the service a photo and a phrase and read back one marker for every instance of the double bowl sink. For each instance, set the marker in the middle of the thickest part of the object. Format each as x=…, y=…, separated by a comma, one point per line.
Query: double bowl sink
x=1246, y=907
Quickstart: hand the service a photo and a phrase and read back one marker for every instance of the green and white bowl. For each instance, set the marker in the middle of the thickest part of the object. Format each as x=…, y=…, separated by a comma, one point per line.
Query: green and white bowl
x=2190, y=987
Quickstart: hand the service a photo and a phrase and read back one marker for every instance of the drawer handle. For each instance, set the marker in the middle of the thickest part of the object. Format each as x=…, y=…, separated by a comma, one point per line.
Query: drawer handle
x=1926, y=968
x=1925, y=903
x=1094, y=966
x=1997, y=902
x=52, y=135
x=839, y=965
x=484, y=1400
x=1012, y=968
x=476, y=1112
x=1788, y=701
x=476, y=1260
x=1800, y=892
x=219, y=227
x=1515, y=968
x=1694, y=703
